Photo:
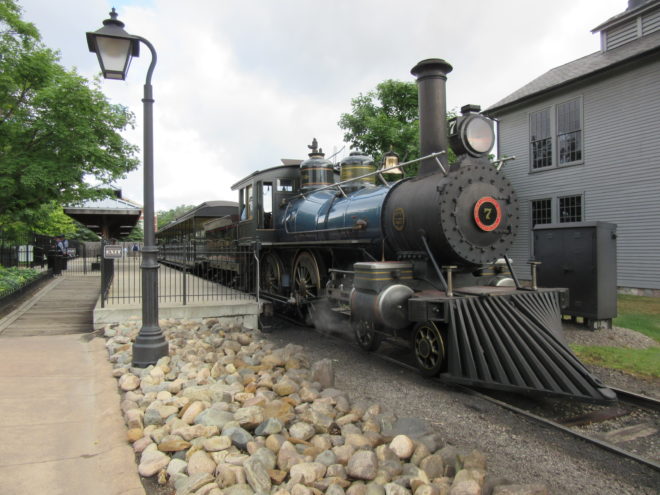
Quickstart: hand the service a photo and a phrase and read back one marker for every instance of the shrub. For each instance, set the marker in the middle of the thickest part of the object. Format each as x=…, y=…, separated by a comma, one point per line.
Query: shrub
x=12, y=279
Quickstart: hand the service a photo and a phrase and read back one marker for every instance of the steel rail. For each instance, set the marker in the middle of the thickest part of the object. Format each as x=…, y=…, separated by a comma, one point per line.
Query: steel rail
x=604, y=445
x=638, y=400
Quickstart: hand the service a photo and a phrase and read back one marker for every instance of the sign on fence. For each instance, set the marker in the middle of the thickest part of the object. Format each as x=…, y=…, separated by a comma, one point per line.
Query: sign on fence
x=112, y=252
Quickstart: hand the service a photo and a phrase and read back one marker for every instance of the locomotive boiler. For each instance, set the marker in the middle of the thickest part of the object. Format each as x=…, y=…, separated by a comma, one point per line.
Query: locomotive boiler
x=422, y=258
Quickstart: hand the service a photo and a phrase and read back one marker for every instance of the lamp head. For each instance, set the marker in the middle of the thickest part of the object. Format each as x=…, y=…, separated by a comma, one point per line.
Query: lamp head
x=114, y=47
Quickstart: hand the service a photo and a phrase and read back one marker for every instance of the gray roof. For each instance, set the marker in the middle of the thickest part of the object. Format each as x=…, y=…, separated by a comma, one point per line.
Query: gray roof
x=105, y=204
x=580, y=69
x=638, y=7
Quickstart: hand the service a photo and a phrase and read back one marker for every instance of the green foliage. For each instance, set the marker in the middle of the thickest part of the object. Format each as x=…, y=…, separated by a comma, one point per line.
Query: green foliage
x=386, y=117
x=12, y=279
x=644, y=362
x=47, y=219
x=383, y=118
x=136, y=235
x=55, y=129
x=166, y=216
x=639, y=313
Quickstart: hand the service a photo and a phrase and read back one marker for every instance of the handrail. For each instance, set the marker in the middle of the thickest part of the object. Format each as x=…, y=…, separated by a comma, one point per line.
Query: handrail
x=376, y=172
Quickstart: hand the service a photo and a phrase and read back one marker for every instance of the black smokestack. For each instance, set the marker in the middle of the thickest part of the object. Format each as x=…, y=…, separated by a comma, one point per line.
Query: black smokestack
x=431, y=77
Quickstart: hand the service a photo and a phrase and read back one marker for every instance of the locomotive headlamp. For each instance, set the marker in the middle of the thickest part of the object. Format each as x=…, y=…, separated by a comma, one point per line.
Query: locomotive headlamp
x=471, y=133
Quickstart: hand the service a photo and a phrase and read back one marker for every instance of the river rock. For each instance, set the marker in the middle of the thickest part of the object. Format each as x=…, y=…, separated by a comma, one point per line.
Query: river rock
x=433, y=465
x=257, y=475
x=217, y=443
x=249, y=417
x=363, y=465
x=267, y=458
x=268, y=427
x=466, y=487
x=152, y=461
x=323, y=372
x=285, y=386
x=239, y=437
x=201, y=462
x=396, y=489
x=280, y=410
x=129, y=382
x=173, y=443
x=402, y=446
x=214, y=416
x=302, y=431
x=193, y=483
x=189, y=413
x=238, y=489
x=189, y=432
x=307, y=472
x=176, y=466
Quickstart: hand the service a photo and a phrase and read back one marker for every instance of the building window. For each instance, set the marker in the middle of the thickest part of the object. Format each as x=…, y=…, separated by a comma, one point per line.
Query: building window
x=555, y=135
x=541, y=139
x=570, y=209
x=541, y=211
x=569, y=132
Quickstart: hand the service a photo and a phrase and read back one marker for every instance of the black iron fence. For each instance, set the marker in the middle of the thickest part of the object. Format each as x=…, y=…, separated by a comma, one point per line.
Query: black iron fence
x=24, y=250
x=187, y=274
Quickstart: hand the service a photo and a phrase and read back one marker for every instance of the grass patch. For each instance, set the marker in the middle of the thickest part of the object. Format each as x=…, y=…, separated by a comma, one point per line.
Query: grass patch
x=642, y=362
x=639, y=313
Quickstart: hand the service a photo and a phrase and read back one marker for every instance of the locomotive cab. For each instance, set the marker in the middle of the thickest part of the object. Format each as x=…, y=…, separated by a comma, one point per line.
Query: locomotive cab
x=261, y=196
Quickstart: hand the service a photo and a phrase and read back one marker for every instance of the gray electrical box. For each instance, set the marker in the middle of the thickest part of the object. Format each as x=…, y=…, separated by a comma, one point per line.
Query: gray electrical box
x=582, y=257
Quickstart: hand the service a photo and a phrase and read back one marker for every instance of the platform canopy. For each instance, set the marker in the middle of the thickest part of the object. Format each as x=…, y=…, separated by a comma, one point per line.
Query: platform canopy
x=109, y=218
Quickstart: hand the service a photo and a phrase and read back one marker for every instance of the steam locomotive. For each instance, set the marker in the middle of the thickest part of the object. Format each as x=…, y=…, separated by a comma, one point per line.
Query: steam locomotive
x=423, y=258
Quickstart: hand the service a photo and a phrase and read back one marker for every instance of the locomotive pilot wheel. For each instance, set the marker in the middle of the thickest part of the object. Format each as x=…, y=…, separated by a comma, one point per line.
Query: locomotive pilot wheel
x=366, y=336
x=429, y=348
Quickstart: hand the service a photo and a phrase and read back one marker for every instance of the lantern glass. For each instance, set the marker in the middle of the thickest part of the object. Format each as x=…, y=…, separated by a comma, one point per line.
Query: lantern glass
x=114, y=55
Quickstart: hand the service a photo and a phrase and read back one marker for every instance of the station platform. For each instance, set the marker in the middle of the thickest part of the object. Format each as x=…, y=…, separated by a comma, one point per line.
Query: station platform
x=60, y=420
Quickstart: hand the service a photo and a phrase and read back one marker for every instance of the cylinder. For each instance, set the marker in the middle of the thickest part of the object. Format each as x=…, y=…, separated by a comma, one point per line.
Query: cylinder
x=431, y=77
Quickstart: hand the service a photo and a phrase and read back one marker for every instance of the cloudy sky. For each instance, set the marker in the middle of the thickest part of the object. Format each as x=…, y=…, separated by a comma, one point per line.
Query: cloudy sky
x=240, y=84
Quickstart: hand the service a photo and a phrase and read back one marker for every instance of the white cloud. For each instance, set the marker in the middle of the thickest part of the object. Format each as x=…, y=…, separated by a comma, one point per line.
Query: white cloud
x=239, y=85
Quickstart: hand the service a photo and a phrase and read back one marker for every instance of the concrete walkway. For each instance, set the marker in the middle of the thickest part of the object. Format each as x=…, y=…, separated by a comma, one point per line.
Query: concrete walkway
x=60, y=423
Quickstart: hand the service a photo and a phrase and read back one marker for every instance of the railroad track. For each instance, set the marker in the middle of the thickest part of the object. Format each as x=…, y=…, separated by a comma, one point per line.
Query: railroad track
x=625, y=428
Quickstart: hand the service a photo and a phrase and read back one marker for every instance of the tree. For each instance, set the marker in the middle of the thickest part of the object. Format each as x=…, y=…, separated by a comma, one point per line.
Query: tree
x=56, y=129
x=166, y=216
x=136, y=235
x=385, y=117
x=49, y=219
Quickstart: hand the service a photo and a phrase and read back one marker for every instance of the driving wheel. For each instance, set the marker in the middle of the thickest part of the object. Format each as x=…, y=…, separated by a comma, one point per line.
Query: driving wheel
x=270, y=277
x=306, y=284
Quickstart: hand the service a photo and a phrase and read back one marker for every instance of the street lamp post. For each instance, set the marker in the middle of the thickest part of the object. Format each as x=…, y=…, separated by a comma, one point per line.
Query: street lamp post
x=115, y=48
